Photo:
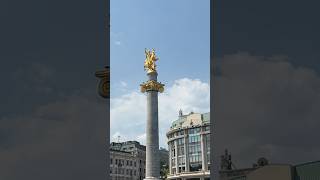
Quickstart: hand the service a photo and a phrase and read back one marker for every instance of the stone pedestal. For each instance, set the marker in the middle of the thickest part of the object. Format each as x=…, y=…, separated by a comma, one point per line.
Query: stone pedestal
x=152, y=87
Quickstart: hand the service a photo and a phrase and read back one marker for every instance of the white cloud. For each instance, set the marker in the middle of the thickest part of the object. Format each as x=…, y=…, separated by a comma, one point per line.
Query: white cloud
x=128, y=112
x=142, y=138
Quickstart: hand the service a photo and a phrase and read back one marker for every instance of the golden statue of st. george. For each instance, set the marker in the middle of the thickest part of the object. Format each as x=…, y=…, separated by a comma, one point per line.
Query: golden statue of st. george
x=150, y=67
x=149, y=63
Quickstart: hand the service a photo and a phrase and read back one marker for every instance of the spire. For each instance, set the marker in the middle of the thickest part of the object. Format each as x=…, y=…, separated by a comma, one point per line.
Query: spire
x=180, y=113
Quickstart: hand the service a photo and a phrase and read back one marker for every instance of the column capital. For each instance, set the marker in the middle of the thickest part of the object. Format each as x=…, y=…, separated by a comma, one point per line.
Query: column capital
x=152, y=85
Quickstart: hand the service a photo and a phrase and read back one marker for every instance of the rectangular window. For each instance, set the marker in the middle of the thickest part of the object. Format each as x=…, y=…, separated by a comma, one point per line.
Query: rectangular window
x=194, y=130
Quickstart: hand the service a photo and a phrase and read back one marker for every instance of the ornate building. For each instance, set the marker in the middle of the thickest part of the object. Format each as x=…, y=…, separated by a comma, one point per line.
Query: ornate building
x=189, y=147
x=127, y=160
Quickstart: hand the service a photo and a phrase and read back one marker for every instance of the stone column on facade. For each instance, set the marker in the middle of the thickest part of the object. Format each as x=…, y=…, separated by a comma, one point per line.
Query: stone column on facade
x=170, y=157
x=203, y=153
x=186, y=147
x=176, y=157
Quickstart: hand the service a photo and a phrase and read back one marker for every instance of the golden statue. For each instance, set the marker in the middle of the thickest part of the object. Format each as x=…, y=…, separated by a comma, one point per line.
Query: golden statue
x=149, y=63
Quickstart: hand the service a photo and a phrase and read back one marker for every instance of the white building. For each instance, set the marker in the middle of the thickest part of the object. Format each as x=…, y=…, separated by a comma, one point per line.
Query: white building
x=189, y=147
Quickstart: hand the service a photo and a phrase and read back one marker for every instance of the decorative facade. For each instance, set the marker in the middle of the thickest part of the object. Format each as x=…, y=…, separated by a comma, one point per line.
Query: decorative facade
x=127, y=161
x=189, y=147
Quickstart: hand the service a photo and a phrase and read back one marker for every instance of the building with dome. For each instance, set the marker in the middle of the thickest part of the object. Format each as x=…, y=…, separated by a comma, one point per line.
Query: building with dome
x=189, y=147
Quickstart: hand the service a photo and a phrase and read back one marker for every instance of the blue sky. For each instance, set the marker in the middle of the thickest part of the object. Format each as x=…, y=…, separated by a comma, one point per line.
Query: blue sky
x=179, y=31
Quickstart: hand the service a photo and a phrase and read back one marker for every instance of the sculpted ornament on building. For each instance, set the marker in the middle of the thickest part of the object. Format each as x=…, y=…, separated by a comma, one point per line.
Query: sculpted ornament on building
x=104, y=84
x=152, y=86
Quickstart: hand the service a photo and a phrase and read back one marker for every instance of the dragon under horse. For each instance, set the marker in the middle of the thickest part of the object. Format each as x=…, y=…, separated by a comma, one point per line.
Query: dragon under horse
x=149, y=63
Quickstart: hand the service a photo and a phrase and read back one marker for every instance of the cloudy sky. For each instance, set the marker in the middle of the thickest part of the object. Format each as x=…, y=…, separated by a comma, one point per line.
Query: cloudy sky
x=179, y=31
x=267, y=92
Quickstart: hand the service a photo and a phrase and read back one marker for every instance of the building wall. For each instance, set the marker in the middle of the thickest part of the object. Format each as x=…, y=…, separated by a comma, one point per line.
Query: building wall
x=189, y=148
x=237, y=174
x=125, y=166
x=132, y=157
x=275, y=172
x=307, y=171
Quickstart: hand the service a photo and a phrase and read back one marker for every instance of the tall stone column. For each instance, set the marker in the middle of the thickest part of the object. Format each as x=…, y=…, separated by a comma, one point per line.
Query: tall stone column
x=152, y=87
x=152, y=141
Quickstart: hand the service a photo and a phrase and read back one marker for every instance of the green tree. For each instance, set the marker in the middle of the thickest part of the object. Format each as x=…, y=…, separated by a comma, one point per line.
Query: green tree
x=164, y=170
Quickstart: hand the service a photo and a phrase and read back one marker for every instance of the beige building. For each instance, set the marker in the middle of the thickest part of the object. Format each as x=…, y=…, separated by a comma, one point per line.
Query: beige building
x=127, y=161
x=273, y=171
x=262, y=170
x=189, y=147
x=124, y=166
x=266, y=172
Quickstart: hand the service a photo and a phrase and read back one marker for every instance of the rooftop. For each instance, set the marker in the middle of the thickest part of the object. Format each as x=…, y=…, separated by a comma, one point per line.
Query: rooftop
x=194, y=118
